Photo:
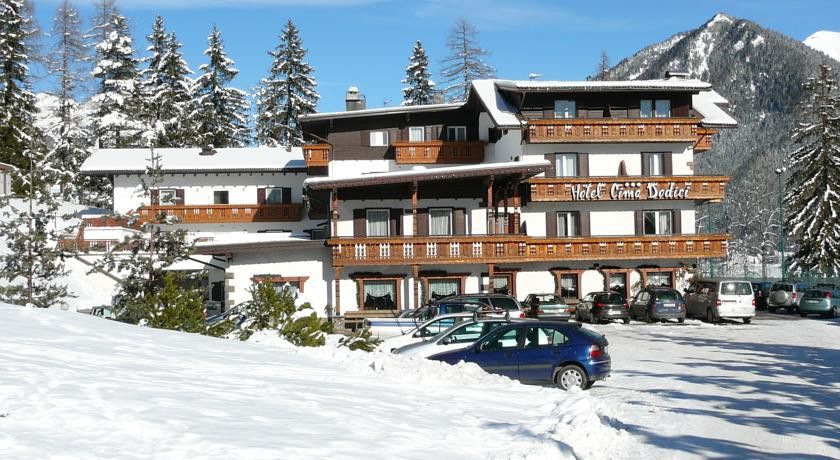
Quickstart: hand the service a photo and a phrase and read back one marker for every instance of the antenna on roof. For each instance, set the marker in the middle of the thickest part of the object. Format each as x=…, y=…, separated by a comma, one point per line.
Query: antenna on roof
x=533, y=76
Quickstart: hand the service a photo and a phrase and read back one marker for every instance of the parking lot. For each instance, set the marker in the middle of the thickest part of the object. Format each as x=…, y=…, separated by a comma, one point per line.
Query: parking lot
x=770, y=389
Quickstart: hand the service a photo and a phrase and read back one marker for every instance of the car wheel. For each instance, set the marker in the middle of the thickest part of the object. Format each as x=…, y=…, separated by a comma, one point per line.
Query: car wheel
x=571, y=376
x=747, y=320
x=802, y=315
x=834, y=312
x=710, y=316
x=680, y=320
x=626, y=320
x=771, y=309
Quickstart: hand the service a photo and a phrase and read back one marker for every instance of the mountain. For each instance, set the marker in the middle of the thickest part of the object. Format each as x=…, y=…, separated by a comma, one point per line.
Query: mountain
x=760, y=72
x=826, y=41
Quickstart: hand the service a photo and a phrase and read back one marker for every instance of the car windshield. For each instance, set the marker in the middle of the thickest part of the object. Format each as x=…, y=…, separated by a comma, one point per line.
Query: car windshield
x=609, y=298
x=505, y=303
x=735, y=288
x=667, y=296
x=548, y=298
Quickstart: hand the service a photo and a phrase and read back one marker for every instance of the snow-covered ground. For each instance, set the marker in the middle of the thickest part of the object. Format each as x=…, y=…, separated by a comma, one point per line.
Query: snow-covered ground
x=75, y=386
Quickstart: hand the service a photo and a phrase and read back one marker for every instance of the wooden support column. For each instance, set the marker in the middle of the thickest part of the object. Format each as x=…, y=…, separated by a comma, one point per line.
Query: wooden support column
x=337, y=285
x=517, y=208
x=490, y=273
x=490, y=219
x=414, y=208
x=334, y=212
x=415, y=276
x=506, y=192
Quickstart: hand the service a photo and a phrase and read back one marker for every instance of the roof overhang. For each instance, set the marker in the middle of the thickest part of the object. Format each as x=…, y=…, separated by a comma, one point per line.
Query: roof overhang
x=436, y=174
x=673, y=84
x=429, y=108
x=253, y=246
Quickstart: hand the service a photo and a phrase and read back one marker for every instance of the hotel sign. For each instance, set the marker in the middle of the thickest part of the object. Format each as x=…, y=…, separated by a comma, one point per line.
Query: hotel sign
x=629, y=191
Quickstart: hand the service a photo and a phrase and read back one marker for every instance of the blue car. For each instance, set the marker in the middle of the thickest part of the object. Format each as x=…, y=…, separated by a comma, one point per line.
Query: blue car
x=539, y=352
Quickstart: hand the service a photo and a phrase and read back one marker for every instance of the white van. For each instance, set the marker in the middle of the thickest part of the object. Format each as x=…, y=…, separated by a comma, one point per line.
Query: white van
x=716, y=298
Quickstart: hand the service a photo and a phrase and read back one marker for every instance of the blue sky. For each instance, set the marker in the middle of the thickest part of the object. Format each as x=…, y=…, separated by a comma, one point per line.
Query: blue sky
x=367, y=43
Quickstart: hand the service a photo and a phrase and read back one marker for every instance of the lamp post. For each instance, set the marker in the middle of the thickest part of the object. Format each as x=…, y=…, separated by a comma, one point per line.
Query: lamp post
x=779, y=173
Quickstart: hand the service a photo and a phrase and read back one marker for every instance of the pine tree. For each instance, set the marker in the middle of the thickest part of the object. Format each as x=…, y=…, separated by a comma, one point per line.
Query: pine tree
x=420, y=89
x=273, y=309
x=812, y=199
x=172, y=306
x=118, y=123
x=603, y=70
x=466, y=61
x=17, y=103
x=287, y=93
x=220, y=113
x=166, y=89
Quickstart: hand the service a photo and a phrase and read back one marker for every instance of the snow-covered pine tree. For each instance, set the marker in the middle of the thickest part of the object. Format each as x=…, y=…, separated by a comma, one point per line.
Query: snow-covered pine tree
x=17, y=103
x=67, y=137
x=220, y=112
x=811, y=198
x=466, y=61
x=165, y=87
x=287, y=93
x=420, y=87
x=117, y=99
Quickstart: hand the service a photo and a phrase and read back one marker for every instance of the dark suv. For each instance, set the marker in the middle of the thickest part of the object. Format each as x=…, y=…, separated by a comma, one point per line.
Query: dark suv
x=603, y=306
x=495, y=301
x=656, y=303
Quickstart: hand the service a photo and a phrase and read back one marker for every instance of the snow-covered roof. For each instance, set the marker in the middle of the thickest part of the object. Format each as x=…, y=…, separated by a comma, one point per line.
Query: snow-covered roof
x=245, y=241
x=708, y=104
x=670, y=84
x=7, y=167
x=383, y=111
x=189, y=160
x=431, y=174
x=500, y=110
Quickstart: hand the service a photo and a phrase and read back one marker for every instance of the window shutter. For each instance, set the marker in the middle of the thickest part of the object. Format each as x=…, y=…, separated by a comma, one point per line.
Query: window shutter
x=365, y=138
x=640, y=222
x=583, y=164
x=260, y=196
x=179, y=195
x=583, y=217
x=550, y=224
x=423, y=222
x=155, y=197
x=550, y=172
x=668, y=168
x=459, y=221
x=396, y=221
x=287, y=195
x=645, y=164
x=677, y=224
x=359, y=223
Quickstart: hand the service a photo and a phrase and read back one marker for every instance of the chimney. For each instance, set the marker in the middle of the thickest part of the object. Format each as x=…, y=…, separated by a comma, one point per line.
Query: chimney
x=676, y=74
x=438, y=97
x=207, y=150
x=354, y=100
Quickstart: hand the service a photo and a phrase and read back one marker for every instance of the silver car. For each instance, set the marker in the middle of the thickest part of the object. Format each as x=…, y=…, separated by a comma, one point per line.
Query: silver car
x=785, y=295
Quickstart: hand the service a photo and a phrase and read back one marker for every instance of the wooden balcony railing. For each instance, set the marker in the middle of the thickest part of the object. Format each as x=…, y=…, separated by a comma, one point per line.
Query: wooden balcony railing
x=588, y=130
x=224, y=213
x=439, y=152
x=77, y=245
x=704, y=139
x=317, y=155
x=520, y=248
x=629, y=188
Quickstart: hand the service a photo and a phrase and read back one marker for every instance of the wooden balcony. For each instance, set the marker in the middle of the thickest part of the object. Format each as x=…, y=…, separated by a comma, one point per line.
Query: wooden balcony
x=317, y=155
x=77, y=245
x=704, y=139
x=597, y=130
x=520, y=249
x=226, y=213
x=629, y=188
x=438, y=152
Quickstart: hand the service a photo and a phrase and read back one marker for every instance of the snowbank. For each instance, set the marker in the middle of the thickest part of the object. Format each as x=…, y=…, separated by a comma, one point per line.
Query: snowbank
x=79, y=386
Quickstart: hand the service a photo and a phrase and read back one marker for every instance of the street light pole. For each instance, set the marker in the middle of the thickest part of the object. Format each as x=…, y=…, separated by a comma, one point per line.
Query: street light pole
x=780, y=172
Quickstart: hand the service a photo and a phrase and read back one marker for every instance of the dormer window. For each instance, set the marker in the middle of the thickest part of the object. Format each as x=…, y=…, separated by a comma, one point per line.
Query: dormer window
x=564, y=108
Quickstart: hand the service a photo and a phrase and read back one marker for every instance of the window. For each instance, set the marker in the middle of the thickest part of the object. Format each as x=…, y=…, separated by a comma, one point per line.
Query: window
x=735, y=288
x=542, y=337
x=437, y=327
x=467, y=333
x=440, y=222
x=442, y=287
x=567, y=224
x=500, y=284
x=618, y=282
x=168, y=197
x=378, y=222
x=278, y=195
x=564, y=109
x=565, y=165
x=656, y=164
x=456, y=133
x=415, y=134
x=380, y=294
x=658, y=222
x=659, y=108
x=295, y=283
x=505, y=341
x=569, y=286
x=293, y=286
x=220, y=197
x=661, y=279
x=379, y=138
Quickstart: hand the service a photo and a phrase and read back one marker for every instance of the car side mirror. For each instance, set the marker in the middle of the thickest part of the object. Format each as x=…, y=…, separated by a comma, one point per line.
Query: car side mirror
x=416, y=334
x=446, y=341
x=481, y=347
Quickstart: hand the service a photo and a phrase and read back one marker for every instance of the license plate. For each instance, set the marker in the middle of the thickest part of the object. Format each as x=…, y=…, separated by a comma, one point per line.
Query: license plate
x=670, y=305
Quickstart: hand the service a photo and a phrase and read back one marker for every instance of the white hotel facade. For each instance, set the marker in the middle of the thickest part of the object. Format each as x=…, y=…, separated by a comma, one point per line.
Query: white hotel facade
x=528, y=186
